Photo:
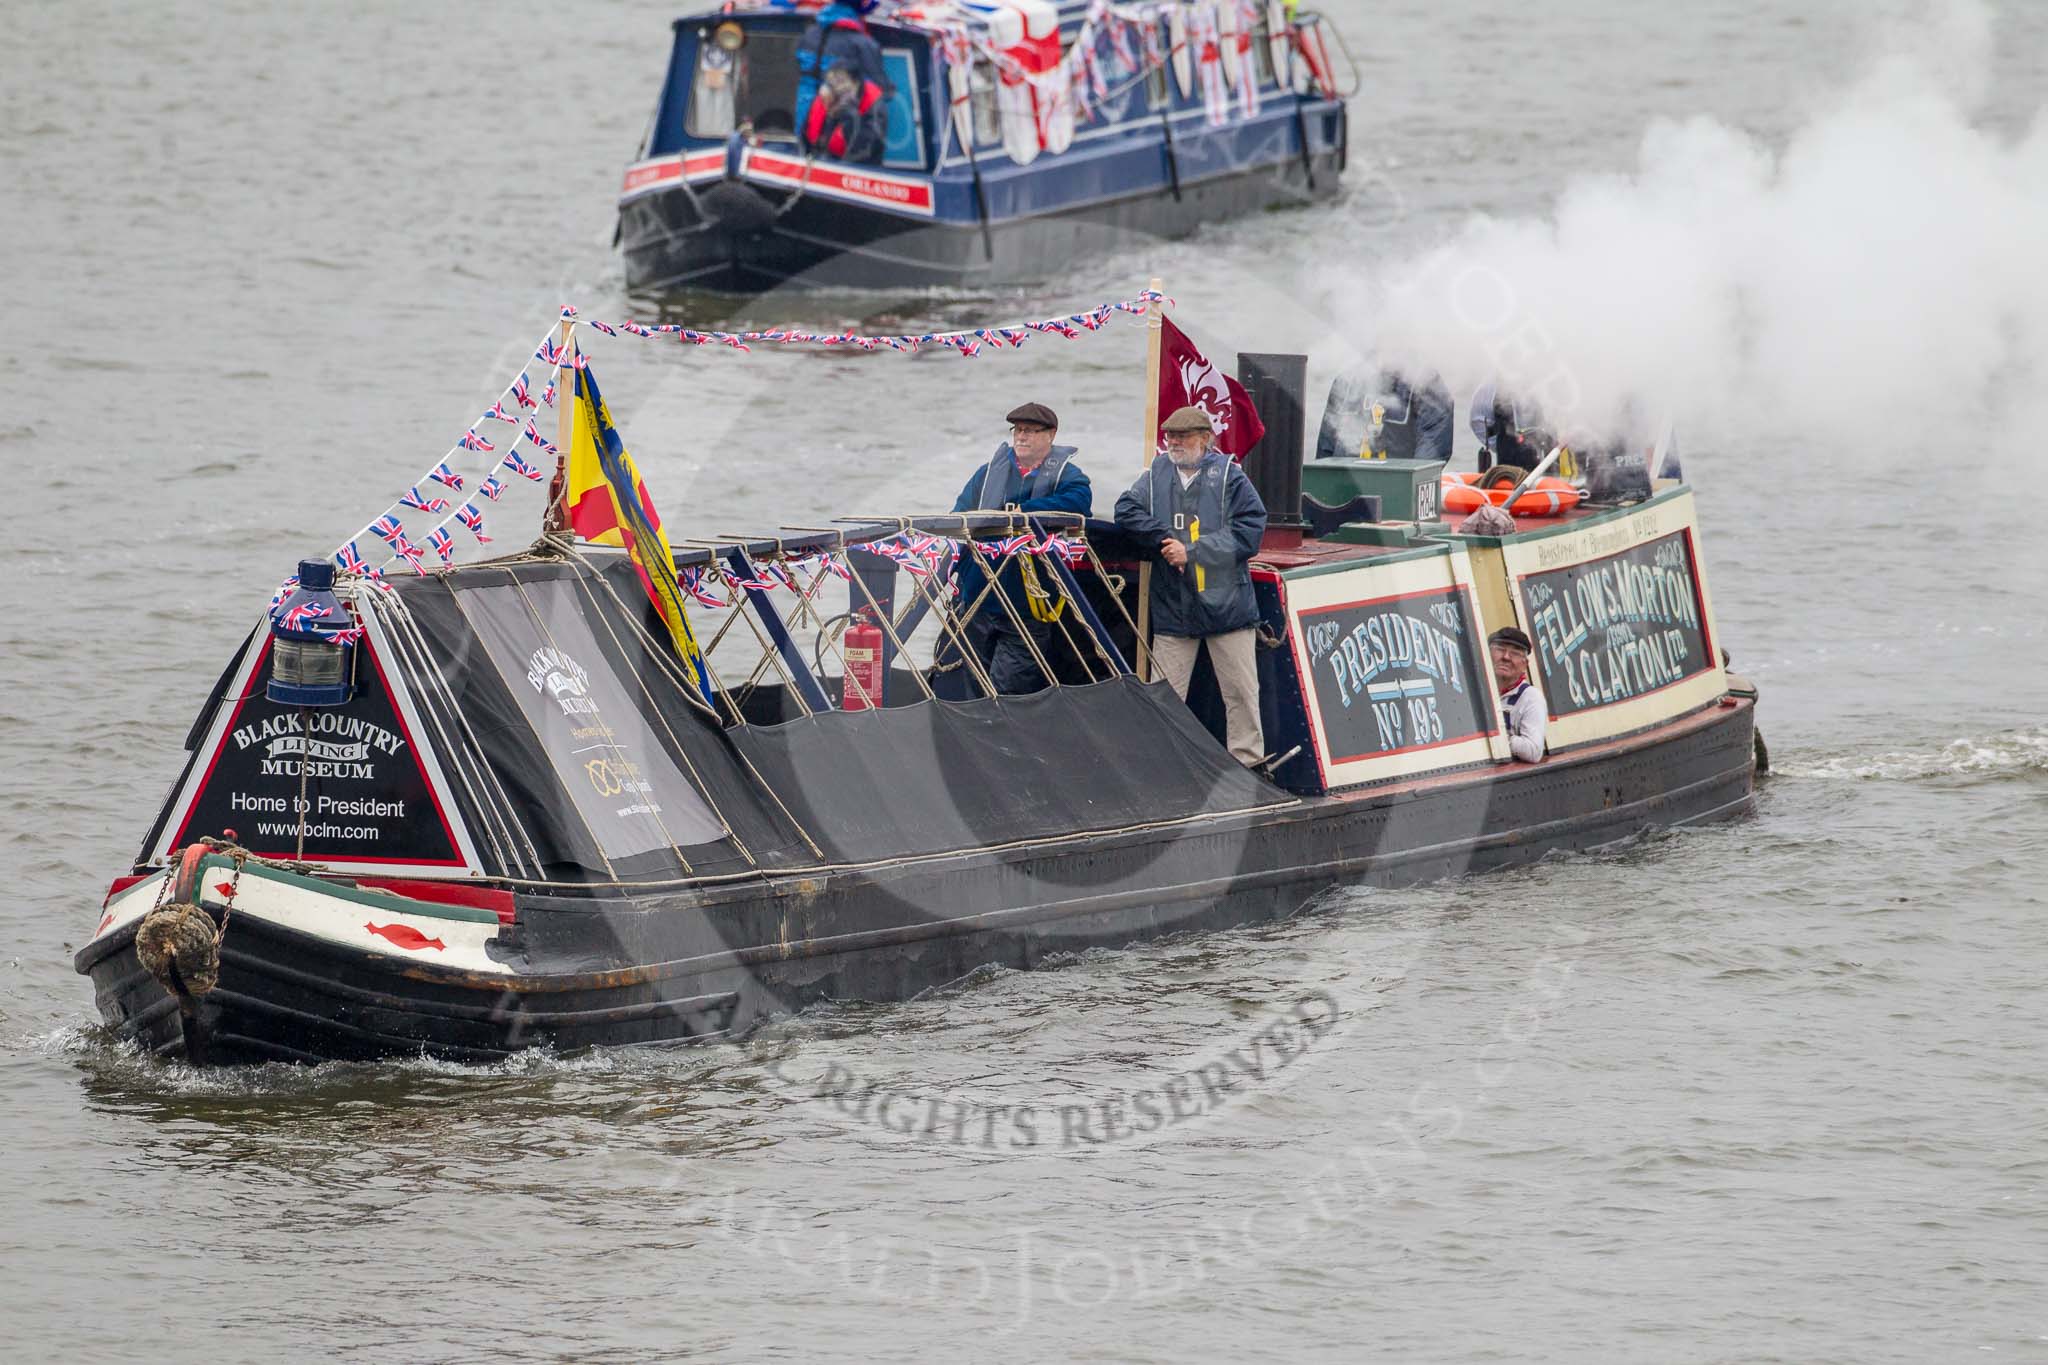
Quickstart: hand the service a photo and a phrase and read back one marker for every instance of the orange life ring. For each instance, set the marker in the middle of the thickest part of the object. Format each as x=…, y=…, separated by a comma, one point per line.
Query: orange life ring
x=1546, y=498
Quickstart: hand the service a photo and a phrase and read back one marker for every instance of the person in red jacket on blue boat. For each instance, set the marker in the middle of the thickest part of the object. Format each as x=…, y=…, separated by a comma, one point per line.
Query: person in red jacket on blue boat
x=847, y=119
x=837, y=38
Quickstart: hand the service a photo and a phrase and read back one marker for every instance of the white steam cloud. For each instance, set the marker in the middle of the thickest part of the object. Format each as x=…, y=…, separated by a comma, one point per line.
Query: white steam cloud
x=1879, y=279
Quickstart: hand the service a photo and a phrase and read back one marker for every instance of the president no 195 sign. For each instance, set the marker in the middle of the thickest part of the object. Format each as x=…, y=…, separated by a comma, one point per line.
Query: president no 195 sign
x=1397, y=673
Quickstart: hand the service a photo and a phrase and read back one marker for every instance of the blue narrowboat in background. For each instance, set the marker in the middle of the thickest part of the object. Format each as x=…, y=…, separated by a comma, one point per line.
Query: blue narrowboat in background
x=1020, y=134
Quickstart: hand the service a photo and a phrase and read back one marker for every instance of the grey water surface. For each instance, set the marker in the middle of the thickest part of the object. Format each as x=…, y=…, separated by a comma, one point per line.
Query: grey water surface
x=1767, y=1091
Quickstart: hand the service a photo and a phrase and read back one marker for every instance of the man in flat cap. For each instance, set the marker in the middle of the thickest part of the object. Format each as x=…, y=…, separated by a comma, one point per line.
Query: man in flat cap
x=1027, y=473
x=1198, y=512
x=1523, y=711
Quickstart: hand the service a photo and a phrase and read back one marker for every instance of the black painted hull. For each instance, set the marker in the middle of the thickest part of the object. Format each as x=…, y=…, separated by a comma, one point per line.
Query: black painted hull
x=677, y=239
x=698, y=965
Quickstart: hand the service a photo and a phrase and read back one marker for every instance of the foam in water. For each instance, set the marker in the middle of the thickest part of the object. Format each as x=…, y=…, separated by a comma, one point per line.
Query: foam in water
x=1879, y=269
x=2001, y=755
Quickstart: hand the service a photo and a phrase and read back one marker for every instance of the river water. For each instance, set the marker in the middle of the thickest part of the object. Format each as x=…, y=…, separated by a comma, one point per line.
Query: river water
x=1769, y=1091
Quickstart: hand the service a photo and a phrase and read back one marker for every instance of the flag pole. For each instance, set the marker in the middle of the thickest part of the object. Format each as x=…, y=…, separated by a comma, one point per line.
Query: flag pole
x=557, y=521
x=1148, y=445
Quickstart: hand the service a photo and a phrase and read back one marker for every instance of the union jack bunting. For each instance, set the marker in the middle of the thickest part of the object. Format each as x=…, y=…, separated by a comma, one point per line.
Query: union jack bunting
x=568, y=310
x=471, y=441
x=299, y=617
x=409, y=552
x=389, y=529
x=519, y=466
x=349, y=559
x=604, y=327
x=284, y=590
x=547, y=395
x=743, y=581
x=492, y=487
x=447, y=477
x=474, y=520
x=533, y=435
x=442, y=544
x=549, y=353
x=692, y=579
x=520, y=392
x=411, y=498
x=636, y=329
x=498, y=413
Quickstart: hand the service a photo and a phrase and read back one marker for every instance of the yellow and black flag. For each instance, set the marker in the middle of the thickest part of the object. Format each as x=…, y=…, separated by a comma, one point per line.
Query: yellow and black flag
x=608, y=505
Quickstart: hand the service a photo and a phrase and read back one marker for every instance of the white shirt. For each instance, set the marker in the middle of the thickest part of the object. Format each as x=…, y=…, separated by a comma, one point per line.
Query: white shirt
x=1525, y=714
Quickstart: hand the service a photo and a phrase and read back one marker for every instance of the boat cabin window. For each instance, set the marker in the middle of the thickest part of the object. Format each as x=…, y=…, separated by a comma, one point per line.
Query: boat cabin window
x=755, y=84
x=981, y=99
x=1262, y=53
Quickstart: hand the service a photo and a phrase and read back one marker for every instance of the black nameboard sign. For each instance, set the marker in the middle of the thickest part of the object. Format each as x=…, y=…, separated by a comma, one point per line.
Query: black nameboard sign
x=1397, y=674
x=1622, y=626
x=365, y=796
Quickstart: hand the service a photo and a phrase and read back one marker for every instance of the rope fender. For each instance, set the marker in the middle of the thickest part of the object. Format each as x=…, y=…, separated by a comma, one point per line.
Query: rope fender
x=177, y=941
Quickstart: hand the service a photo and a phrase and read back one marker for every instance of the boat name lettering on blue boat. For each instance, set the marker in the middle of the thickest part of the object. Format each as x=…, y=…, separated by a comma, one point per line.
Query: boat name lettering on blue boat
x=1617, y=627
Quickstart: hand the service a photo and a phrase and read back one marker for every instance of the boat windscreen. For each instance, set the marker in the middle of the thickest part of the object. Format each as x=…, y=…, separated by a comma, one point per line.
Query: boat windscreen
x=755, y=85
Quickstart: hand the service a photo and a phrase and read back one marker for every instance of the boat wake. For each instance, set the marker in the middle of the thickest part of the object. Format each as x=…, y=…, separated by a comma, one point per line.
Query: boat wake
x=1990, y=756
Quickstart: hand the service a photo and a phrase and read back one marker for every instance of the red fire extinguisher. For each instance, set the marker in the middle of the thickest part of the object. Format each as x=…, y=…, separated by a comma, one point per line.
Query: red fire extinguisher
x=862, y=646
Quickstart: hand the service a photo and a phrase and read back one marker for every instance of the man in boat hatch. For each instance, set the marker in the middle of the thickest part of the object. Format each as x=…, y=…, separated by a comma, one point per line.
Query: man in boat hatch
x=1511, y=430
x=1522, y=709
x=1198, y=512
x=839, y=36
x=1029, y=473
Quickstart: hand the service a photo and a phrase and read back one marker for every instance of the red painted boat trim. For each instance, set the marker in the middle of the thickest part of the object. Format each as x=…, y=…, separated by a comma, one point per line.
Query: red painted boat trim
x=489, y=898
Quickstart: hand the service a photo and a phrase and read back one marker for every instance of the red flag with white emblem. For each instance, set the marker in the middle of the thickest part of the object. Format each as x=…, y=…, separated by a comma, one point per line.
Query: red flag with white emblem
x=1186, y=377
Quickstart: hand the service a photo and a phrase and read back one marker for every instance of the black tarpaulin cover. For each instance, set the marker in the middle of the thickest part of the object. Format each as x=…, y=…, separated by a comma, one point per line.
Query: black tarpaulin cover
x=554, y=670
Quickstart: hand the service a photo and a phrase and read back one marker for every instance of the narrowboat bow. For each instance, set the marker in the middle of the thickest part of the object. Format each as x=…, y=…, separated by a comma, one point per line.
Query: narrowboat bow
x=1020, y=134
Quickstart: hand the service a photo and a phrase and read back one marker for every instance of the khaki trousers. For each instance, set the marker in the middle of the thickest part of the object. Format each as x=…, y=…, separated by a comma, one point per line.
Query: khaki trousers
x=1235, y=658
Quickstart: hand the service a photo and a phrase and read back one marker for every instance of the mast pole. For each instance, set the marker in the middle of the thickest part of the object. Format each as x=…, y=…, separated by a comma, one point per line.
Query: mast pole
x=1148, y=445
x=557, y=520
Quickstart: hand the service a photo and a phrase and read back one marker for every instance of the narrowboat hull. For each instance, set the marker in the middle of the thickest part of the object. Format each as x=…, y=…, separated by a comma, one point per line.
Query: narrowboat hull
x=736, y=237
x=609, y=968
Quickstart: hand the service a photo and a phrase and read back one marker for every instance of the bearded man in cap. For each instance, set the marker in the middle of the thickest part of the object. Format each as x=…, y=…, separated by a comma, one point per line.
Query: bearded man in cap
x=1523, y=712
x=1198, y=512
x=1027, y=473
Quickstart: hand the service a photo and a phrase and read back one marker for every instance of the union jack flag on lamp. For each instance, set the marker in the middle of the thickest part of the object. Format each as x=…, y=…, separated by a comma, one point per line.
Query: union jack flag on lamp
x=297, y=618
x=412, y=498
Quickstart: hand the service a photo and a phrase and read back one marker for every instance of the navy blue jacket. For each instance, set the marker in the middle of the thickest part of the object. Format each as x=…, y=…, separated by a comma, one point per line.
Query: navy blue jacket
x=1071, y=494
x=1233, y=521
